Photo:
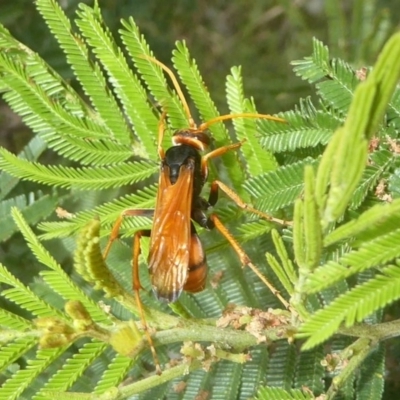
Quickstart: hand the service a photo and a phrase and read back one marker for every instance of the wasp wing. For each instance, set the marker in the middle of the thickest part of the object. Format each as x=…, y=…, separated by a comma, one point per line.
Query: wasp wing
x=171, y=233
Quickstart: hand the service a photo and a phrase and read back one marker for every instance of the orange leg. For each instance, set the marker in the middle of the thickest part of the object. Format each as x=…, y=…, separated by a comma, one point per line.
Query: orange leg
x=135, y=269
x=216, y=153
x=136, y=288
x=244, y=258
x=228, y=191
x=213, y=197
x=143, y=212
x=239, y=202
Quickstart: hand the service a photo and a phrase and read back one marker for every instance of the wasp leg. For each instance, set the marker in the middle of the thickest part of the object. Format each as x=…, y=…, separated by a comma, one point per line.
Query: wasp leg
x=239, y=202
x=216, y=153
x=143, y=212
x=136, y=288
x=229, y=192
x=244, y=258
x=135, y=269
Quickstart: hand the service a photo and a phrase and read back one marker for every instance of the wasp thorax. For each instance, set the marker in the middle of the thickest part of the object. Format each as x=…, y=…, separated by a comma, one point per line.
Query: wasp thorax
x=195, y=138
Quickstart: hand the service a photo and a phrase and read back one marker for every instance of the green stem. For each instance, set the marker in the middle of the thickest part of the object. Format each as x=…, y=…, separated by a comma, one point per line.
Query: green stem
x=369, y=336
x=155, y=380
x=360, y=350
x=228, y=338
x=378, y=332
x=124, y=392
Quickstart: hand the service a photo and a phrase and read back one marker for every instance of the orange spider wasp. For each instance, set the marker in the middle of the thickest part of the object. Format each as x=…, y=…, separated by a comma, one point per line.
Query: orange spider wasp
x=177, y=260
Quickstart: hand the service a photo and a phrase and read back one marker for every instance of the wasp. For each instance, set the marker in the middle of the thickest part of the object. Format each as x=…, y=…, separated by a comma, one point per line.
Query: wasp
x=177, y=260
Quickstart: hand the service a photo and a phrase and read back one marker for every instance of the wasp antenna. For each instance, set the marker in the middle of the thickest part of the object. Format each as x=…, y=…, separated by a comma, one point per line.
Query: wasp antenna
x=176, y=86
x=205, y=125
x=161, y=130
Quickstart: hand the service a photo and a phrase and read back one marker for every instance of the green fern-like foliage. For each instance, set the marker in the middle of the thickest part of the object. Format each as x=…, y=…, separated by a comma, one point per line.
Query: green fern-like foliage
x=328, y=176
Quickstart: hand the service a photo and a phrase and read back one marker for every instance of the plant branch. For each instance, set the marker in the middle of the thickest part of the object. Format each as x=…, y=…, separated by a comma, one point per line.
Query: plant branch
x=356, y=354
x=379, y=332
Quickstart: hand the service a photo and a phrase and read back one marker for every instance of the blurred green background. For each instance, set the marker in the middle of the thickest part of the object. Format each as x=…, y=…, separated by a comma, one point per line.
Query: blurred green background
x=261, y=36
